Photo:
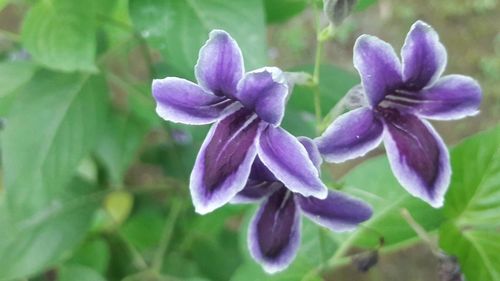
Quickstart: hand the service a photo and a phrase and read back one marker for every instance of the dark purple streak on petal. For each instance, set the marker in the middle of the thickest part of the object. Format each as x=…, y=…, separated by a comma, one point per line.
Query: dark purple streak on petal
x=224, y=161
x=274, y=233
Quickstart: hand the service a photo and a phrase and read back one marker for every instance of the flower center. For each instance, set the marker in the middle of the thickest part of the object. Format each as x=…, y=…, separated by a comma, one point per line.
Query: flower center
x=400, y=100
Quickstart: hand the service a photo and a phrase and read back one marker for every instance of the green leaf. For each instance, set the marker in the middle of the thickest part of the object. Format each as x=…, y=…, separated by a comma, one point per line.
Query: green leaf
x=374, y=182
x=61, y=34
x=119, y=143
x=3, y=3
x=54, y=123
x=94, y=254
x=178, y=28
x=13, y=74
x=42, y=239
x=82, y=273
x=472, y=207
x=282, y=10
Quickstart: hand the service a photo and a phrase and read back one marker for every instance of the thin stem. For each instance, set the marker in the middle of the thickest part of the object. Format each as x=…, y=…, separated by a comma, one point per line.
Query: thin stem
x=167, y=235
x=420, y=231
x=316, y=71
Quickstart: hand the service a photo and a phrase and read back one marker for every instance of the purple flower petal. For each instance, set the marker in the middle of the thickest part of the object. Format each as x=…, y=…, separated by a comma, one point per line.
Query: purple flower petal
x=220, y=64
x=264, y=91
x=424, y=57
x=182, y=101
x=223, y=164
x=378, y=66
x=451, y=97
x=337, y=212
x=418, y=157
x=288, y=160
x=312, y=151
x=255, y=190
x=274, y=233
x=351, y=135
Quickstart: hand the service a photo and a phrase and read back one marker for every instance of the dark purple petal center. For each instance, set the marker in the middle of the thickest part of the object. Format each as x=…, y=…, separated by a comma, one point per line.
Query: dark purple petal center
x=417, y=146
x=275, y=226
x=231, y=140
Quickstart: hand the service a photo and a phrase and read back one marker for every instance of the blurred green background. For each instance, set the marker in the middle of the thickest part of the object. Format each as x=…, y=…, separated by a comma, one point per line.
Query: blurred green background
x=94, y=184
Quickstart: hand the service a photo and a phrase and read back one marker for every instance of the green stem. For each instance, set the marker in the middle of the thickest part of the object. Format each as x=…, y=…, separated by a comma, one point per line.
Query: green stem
x=167, y=235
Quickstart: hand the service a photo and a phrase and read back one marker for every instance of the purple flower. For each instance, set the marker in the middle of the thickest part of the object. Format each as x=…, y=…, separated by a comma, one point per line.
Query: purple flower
x=247, y=109
x=399, y=96
x=274, y=233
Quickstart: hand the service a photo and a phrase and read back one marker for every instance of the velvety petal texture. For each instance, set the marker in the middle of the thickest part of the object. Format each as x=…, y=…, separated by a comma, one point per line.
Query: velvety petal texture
x=224, y=162
x=451, y=97
x=351, y=135
x=256, y=190
x=289, y=161
x=264, y=91
x=418, y=157
x=220, y=64
x=182, y=101
x=424, y=57
x=337, y=212
x=378, y=66
x=274, y=233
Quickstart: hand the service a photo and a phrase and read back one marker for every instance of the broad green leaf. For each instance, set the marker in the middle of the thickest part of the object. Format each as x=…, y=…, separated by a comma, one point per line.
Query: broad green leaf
x=94, y=254
x=37, y=241
x=472, y=207
x=133, y=229
x=282, y=10
x=78, y=272
x=13, y=74
x=374, y=182
x=54, y=123
x=119, y=143
x=178, y=28
x=61, y=34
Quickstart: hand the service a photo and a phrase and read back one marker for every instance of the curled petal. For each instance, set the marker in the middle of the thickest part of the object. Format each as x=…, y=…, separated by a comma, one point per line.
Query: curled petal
x=312, y=151
x=274, y=233
x=337, y=212
x=289, y=161
x=182, y=101
x=418, y=157
x=451, y=97
x=378, y=66
x=220, y=64
x=223, y=164
x=423, y=55
x=264, y=91
x=351, y=135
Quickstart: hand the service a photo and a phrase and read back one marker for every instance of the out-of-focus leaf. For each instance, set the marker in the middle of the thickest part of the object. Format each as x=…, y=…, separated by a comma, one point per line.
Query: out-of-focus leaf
x=13, y=74
x=337, y=10
x=133, y=230
x=364, y=4
x=3, y=3
x=119, y=143
x=472, y=207
x=41, y=239
x=54, y=123
x=61, y=34
x=334, y=84
x=282, y=10
x=374, y=182
x=179, y=28
x=78, y=272
x=93, y=254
